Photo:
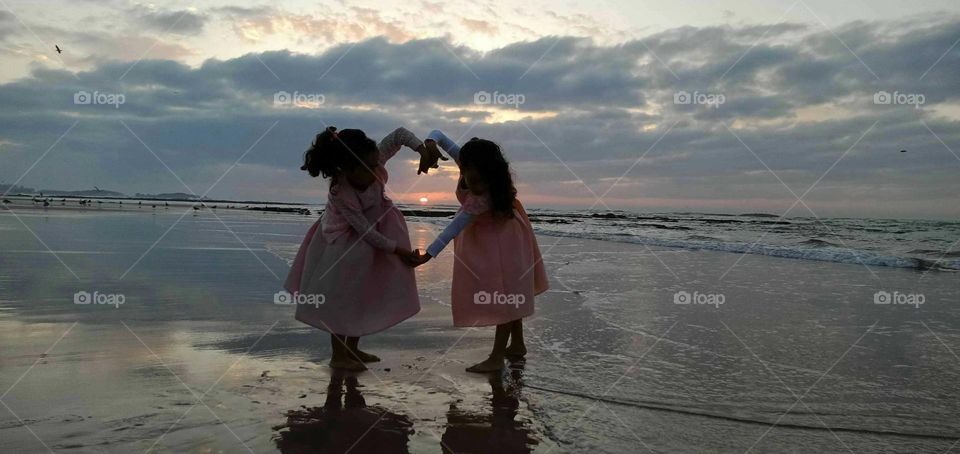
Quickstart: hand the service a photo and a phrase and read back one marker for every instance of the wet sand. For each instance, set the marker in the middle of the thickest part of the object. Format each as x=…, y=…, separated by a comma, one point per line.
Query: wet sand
x=199, y=359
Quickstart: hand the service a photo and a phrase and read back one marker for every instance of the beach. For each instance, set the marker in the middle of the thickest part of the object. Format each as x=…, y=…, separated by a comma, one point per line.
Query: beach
x=635, y=348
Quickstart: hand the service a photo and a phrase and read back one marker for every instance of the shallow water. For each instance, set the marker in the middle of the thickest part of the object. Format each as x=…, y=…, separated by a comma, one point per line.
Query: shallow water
x=797, y=358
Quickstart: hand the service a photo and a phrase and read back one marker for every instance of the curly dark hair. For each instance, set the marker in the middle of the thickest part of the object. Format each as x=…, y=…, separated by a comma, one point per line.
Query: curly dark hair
x=333, y=152
x=487, y=160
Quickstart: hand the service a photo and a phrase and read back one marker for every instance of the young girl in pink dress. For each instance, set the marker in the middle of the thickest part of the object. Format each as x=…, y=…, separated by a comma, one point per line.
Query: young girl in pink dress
x=498, y=269
x=349, y=277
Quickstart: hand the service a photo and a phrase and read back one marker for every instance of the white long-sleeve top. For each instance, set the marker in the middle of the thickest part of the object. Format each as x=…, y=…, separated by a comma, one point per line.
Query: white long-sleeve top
x=462, y=218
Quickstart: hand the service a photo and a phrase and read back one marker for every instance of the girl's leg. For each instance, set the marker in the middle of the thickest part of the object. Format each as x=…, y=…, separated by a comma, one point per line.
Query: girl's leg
x=354, y=399
x=342, y=359
x=334, y=392
x=517, y=348
x=355, y=352
x=495, y=361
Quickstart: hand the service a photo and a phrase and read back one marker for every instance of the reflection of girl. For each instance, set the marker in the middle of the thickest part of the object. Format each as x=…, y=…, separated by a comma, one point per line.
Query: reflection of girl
x=344, y=425
x=498, y=431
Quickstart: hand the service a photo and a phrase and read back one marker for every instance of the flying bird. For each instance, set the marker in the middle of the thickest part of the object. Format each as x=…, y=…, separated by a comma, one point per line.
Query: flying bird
x=903, y=151
x=59, y=50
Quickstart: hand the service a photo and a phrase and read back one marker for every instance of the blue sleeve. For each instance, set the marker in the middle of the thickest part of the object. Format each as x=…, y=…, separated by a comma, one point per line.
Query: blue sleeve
x=446, y=143
x=460, y=222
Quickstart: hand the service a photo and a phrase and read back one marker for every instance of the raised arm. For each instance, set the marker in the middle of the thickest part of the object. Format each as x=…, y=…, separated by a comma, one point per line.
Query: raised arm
x=446, y=143
x=396, y=139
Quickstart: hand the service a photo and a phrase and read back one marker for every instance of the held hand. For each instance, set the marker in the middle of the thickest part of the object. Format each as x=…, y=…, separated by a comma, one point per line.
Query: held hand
x=408, y=257
x=429, y=157
x=423, y=258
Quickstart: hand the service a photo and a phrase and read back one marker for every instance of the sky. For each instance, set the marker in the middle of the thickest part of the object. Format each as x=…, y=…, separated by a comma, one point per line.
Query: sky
x=786, y=107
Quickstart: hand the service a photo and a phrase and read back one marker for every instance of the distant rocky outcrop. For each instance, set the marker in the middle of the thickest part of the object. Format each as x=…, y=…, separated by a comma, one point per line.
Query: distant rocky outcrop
x=15, y=189
x=168, y=196
x=82, y=193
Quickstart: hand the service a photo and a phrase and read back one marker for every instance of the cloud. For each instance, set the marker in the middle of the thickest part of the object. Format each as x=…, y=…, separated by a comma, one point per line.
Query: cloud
x=479, y=26
x=329, y=26
x=8, y=23
x=182, y=22
x=797, y=109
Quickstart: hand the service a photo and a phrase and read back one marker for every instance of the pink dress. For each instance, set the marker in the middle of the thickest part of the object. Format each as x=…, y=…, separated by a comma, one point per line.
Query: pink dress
x=347, y=260
x=498, y=268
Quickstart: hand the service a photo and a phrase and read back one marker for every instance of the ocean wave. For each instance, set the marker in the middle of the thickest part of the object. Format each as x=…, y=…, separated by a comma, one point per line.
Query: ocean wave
x=702, y=238
x=815, y=242
x=818, y=248
x=827, y=253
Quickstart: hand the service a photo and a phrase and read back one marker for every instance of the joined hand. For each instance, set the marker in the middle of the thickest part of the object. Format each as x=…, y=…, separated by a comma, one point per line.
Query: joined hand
x=429, y=157
x=413, y=258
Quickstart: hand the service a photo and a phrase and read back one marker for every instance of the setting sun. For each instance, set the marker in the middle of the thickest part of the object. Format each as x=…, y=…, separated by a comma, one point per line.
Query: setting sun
x=424, y=200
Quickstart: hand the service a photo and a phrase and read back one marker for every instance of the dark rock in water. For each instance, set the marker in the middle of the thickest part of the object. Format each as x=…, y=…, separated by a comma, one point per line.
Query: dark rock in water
x=658, y=218
x=550, y=221
x=608, y=216
x=664, y=227
x=722, y=221
x=292, y=210
x=759, y=215
x=427, y=213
